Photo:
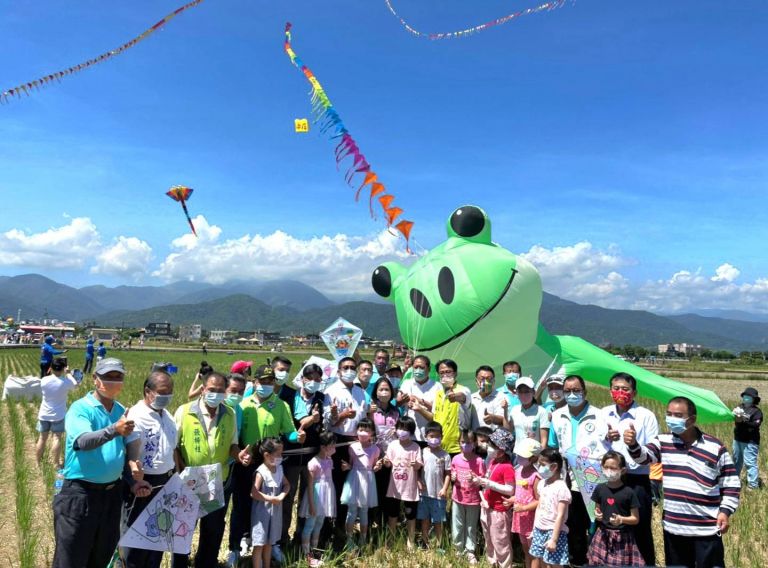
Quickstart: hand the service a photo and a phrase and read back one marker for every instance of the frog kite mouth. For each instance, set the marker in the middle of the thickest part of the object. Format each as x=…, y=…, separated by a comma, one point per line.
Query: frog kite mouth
x=476, y=321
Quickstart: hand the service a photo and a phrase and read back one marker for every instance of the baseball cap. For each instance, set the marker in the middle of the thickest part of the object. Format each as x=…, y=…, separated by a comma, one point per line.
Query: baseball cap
x=239, y=367
x=264, y=372
x=555, y=379
x=528, y=447
x=524, y=382
x=108, y=365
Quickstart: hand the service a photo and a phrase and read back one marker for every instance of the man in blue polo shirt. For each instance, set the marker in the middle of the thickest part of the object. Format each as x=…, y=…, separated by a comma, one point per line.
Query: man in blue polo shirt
x=86, y=512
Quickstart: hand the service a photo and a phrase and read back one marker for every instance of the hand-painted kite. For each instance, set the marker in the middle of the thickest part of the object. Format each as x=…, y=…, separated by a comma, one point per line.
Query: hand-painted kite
x=547, y=6
x=43, y=81
x=331, y=123
x=182, y=194
x=470, y=300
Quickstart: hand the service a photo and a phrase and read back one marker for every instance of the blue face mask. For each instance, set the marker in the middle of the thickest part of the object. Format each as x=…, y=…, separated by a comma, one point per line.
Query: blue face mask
x=419, y=374
x=574, y=399
x=161, y=401
x=214, y=399
x=511, y=379
x=676, y=425
x=747, y=400
x=263, y=391
x=312, y=387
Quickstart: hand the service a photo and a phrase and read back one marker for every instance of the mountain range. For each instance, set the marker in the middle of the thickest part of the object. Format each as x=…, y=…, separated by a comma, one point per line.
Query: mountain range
x=289, y=306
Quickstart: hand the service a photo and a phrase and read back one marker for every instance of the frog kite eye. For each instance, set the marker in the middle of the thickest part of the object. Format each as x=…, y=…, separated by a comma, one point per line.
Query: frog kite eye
x=473, y=301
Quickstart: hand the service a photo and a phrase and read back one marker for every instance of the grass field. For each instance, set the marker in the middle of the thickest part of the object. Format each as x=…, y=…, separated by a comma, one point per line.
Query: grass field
x=26, y=523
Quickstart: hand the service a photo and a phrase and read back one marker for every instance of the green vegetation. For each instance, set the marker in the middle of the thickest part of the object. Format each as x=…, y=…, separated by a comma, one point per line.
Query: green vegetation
x=746, y=542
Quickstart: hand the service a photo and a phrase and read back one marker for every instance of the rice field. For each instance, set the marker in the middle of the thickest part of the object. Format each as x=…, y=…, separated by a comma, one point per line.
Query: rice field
x=26, y=520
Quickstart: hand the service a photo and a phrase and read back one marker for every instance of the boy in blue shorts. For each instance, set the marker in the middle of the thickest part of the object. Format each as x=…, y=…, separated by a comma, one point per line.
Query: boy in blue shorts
x=435, y=481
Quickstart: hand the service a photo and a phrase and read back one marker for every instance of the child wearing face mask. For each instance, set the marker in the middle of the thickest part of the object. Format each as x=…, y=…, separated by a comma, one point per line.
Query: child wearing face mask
x=269, y=489
x=549, y=541
x=526, y=497
x=435, y=483
x=319, y=500
x=359, y=492
x=481, y=443
x=498, y=482
x=746, y=436
x=617, y=512
x=465, y=507
x=404, y=457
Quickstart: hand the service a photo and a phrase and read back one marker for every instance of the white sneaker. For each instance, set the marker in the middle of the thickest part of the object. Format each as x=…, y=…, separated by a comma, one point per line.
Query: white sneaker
x=233, y=559
x=277, y=554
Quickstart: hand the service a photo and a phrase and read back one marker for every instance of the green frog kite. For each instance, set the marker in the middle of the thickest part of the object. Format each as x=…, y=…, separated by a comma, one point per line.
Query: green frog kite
x=473, y=301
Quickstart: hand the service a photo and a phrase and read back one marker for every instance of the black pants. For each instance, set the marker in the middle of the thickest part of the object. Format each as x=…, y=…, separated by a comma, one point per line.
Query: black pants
x=578, y=529
x=211, y=534
x=342, y=454
x=88, y=367
x=641, y=485
x=86, y=519
x=376, y=515
x=240, y=518
x=44, y=369
x=298, y=476
x=694, y=551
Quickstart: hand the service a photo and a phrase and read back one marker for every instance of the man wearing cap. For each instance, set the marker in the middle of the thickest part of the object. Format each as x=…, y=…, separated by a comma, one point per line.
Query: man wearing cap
x=527, y=419
x=746, y=435
x=86, y=512
x=264, y=416
x=149, y=448
x=207, y=435
x=618, y=417
x=47, y=353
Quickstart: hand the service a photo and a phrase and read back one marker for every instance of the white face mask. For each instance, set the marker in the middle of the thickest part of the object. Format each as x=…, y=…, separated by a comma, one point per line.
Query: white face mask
x=612, y=474
x=348, y=376
x=280, y=377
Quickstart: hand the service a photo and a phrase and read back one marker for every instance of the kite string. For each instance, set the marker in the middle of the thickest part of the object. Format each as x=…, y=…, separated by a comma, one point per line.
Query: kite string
x=42, y=81
x=547, y=6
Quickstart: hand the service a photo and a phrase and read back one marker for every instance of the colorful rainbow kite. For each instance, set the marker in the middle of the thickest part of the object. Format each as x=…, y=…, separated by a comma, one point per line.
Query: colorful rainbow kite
x=182, y=194
x=547, y=6
x=330, y=122
x=43, y=81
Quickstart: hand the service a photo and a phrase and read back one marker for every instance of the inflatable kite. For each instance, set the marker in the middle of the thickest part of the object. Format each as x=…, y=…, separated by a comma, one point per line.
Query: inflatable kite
x=182, y=194
x=473, y=301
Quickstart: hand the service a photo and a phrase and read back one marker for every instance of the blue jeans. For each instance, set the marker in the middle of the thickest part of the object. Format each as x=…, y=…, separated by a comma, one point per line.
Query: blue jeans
x=745, y=453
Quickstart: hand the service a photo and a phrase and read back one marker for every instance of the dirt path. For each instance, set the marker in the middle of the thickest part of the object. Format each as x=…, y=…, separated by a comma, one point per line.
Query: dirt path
x=9, y=548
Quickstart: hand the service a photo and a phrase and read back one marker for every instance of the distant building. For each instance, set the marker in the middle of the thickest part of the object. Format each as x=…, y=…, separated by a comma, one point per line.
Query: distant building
x=222, y=335
x=54, y=330
x=101, y=333
x=158, y=329
x=687, y=349
x=190, y=332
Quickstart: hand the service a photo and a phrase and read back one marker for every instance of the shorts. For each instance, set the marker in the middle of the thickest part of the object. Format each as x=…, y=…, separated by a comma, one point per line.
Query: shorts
x=431, y=508
x=538, y=550
x=56, y=426
x=392, y=508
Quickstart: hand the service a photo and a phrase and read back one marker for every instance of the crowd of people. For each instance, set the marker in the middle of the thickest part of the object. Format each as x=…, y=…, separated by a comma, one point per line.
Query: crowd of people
x=491, y=471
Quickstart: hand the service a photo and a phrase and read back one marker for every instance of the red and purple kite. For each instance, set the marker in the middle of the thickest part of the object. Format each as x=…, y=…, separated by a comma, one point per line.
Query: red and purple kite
x=182, y=193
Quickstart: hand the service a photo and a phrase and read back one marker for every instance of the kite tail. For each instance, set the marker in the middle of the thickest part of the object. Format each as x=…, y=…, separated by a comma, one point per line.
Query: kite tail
x=331, y=124
x=189, y=219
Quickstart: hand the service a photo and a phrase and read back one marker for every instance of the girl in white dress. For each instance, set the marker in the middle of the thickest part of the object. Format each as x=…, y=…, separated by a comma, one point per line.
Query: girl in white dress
x=319, y=500
x=359, y=493
x=269, y=489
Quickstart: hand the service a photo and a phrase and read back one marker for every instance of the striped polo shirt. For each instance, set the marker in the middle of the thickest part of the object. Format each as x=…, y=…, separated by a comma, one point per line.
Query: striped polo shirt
x=699, y=482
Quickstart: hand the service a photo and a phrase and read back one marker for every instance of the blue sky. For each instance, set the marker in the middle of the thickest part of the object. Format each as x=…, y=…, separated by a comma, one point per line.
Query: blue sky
x=639, y=129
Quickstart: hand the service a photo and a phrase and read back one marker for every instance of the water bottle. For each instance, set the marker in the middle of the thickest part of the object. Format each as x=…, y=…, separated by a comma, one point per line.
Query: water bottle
x=58, y=483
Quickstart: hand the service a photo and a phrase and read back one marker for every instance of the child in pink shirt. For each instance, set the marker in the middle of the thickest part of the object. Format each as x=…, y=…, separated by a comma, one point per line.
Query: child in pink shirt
x=465, y=513
x=404, y=457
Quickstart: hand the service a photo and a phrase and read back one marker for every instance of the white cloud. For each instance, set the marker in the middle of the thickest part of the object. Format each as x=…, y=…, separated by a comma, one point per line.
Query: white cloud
x=333, y=264
x=584, y=274
x=726, y=273
x=69, y=246
x=128, y=257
